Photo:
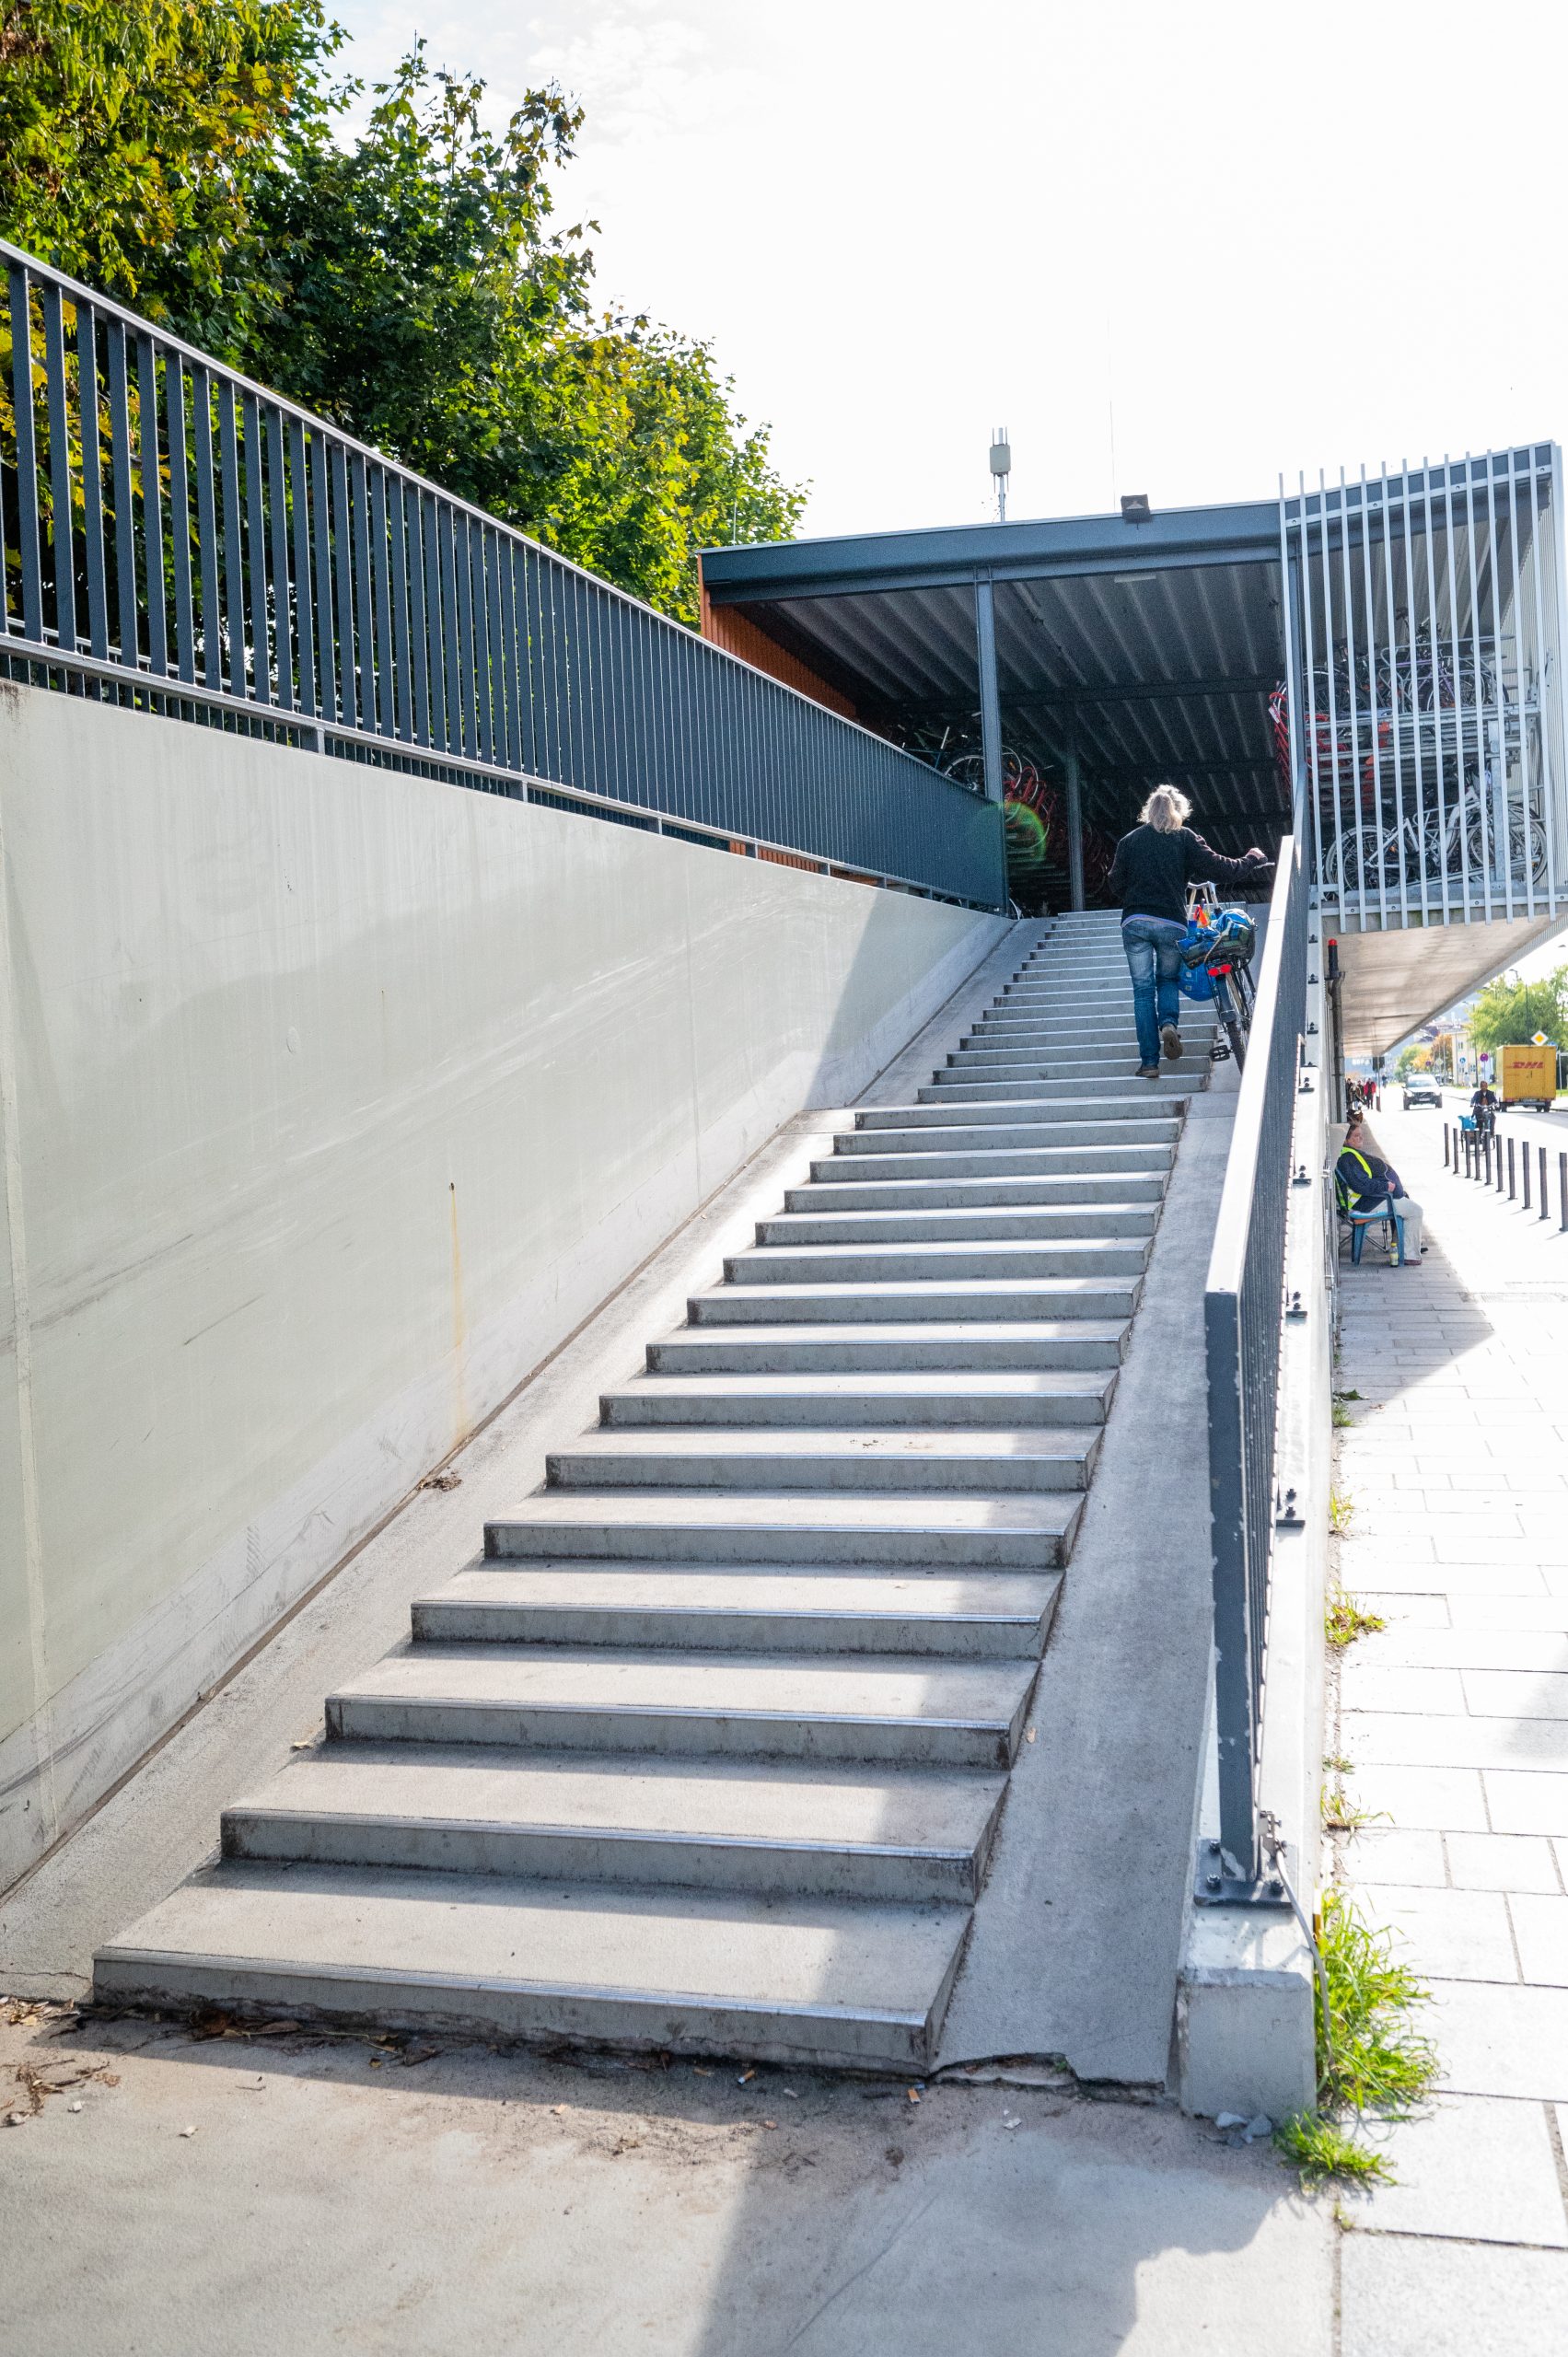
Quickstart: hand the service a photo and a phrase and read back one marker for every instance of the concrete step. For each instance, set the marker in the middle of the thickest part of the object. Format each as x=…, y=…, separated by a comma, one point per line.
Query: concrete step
x=936, y=1224
x=963, y=1088
x=1142, y=1185
x=785, y=1827
x=818, y=1353
x=930, y=1713
x=860, y=1401
x=1017, y=1530
x=1037, y=1120
x=928, y=1163
x=1009, y=1063
x=804, y=1981
x=809, y=1264
x=976, y=1297
x=903, y=1459
x=953, y=1615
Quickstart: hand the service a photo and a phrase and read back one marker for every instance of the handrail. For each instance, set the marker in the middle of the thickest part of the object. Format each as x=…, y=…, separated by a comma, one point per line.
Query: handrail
x=221, y=541
x=1243, y=1314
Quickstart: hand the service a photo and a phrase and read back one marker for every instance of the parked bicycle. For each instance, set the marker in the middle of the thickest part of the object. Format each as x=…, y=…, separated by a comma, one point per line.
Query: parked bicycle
x=1388, y=853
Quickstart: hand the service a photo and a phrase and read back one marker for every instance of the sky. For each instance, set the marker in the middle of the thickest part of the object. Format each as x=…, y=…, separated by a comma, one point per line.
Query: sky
x=1172, y=250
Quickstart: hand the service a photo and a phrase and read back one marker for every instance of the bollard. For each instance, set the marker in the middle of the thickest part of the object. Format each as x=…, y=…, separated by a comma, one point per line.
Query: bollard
x=1486, y=1161
x=1562, y=1189
x=1445, y=1145
x=1511, y=1168
x=1500, y=1163
x=1527, y=1177
x=1545, y=1208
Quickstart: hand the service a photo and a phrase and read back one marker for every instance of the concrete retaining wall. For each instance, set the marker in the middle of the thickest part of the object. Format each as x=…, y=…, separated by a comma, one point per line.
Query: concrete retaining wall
x=330, y=1102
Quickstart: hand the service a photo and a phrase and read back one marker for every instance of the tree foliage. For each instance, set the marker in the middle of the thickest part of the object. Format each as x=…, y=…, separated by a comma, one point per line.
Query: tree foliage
x=1508, y=1012
x=410, y=283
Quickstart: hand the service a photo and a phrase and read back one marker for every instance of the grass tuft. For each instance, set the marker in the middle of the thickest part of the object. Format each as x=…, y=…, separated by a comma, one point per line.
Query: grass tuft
x=1371, y=2060
x=1341, y=1513
x=1341, y=1814
x=1320, y=2148
x=1344, y=1620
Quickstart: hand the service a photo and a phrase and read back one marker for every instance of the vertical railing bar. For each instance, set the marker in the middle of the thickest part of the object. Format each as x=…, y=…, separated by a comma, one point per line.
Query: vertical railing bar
x=1548, y=793
x=403, y=669
x=384, y=712
x=1414, y=694
x=464, y=576
x=1435, y=644
x=323, y=609
x=1372, y=695
x=1353, y=697
x=256, y=538
x=358, y=512
x=343, y=554
x=1482, y=721
x=1396, y=731
x=500, y=740
x=1521, y=700
x=479, y=597
x=180, y=519
x=436, y=616
x=305, y=587
x=233, y=549
x=206, y=527
x=420, y=621
x=1329, y=644
x=92, y=480
x=124, y=520
x=23, y=403
x=1310, y=687
x=62, y=535
x=152, y=508
x=452, y=684
x=283, y=603
x=1458, y=680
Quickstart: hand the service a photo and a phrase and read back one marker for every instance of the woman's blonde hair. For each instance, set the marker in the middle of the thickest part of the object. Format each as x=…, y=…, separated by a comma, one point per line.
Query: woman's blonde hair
x=1165, y=810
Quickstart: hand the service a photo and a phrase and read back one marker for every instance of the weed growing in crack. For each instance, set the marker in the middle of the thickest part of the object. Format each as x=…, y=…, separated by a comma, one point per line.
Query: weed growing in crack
x=1344, y=1622
x=1372, y=2062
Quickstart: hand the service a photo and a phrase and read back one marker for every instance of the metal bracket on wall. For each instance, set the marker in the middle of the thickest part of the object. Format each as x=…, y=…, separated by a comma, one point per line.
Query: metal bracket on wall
x=1219, y=1881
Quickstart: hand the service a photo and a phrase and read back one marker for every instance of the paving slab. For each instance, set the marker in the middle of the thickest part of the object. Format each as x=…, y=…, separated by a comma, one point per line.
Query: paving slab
x=1502, y=1862
x=1458, y=1934
x=1527, y=1801
x=1541, y=1927
x=1473, y=2167
x=1421, y=2298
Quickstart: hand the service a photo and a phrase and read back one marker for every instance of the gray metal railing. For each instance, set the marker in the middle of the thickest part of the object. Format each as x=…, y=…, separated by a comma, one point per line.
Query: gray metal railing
x=174, y=536
x=1244, y=1309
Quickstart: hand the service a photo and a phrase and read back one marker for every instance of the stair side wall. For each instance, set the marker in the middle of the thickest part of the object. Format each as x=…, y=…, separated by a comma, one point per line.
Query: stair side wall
x=331, y=1101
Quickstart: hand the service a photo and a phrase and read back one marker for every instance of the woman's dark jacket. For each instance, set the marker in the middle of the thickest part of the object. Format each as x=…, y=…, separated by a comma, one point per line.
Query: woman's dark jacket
x=1151, y=872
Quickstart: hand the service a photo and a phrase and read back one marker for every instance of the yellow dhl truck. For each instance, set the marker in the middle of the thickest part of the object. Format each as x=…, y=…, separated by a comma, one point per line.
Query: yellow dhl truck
x=1527, y=1076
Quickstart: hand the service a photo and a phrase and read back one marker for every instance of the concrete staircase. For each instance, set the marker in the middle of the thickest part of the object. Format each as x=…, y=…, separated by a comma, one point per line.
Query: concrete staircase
x=709, y=1750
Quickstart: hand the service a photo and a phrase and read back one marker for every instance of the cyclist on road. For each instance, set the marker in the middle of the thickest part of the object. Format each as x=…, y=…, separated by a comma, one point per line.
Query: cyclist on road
x=1149, y=876
x=1483, y=1105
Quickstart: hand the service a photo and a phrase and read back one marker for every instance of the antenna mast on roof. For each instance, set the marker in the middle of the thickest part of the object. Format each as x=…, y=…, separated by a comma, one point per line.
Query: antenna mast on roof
x=1001, y=467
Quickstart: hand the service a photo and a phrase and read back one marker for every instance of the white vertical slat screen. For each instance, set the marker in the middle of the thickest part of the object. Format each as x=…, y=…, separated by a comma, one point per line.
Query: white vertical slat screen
x=1425, y=689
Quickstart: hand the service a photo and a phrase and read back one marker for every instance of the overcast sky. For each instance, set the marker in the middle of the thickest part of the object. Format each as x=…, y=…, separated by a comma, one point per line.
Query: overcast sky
x=1174, y=249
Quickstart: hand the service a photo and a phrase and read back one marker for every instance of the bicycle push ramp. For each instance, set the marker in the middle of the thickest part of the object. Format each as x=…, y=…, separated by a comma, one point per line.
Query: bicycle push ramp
x=708, y=1750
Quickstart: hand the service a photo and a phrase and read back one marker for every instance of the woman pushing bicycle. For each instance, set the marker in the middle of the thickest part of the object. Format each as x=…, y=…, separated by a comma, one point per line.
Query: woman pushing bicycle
x=1150, y=873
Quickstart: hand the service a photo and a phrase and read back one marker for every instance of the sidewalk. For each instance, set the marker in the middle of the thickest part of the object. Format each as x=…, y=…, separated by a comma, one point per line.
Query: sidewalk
x=1456, y=1721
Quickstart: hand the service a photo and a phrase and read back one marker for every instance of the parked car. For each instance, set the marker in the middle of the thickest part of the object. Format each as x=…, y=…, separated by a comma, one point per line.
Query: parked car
x=1423, y=1092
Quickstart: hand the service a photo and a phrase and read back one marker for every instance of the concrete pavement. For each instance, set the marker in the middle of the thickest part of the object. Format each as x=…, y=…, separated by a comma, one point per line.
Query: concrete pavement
x=1455, y=1719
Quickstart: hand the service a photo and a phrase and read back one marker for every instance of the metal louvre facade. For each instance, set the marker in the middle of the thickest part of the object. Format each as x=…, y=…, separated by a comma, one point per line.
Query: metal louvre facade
x=1425, y=689
x=173, y=536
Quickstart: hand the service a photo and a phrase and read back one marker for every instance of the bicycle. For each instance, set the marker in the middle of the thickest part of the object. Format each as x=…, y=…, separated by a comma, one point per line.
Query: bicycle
x=1385, y=856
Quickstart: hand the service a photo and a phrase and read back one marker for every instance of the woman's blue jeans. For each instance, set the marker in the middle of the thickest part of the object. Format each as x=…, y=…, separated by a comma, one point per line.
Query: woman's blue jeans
x=1153, y=946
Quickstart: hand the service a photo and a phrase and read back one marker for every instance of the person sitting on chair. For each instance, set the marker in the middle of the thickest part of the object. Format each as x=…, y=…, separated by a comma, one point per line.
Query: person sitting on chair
x=1371, y=1184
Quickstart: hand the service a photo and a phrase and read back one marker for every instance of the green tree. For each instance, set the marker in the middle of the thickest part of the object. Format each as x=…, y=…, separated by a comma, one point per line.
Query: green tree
x=135, y=135
x=1508, y=1012
x=432, y=309
x=409, y=284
